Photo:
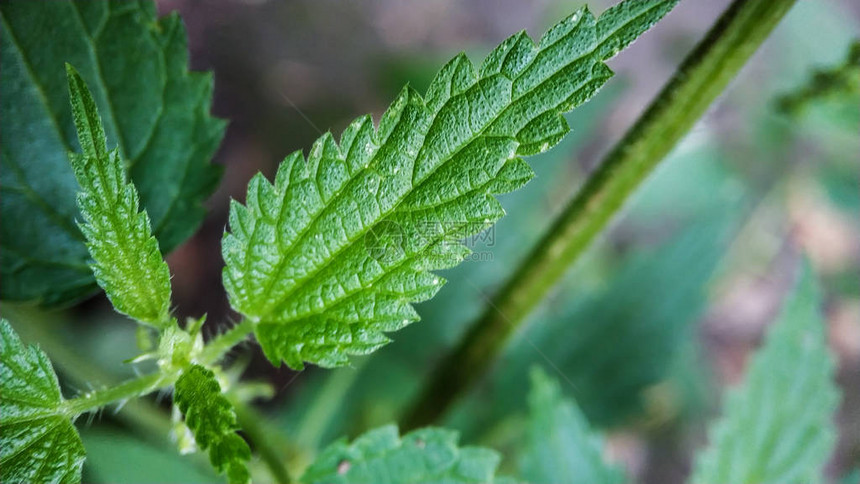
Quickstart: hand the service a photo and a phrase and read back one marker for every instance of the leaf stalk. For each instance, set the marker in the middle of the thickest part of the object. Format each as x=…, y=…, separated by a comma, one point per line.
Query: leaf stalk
x=219, y=346
x=126, y=390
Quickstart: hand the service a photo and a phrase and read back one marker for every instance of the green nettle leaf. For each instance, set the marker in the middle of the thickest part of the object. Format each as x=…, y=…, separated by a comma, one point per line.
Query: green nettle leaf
x=128, y=264
x=778, y=426
x=38, y=442
x=381, y=456
x=561, y=447
x=211, y=418
x=332, y=255
x=155, y=112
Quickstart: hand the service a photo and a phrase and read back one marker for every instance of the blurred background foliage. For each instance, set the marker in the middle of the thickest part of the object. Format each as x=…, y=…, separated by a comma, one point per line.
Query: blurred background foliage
x=646, y=331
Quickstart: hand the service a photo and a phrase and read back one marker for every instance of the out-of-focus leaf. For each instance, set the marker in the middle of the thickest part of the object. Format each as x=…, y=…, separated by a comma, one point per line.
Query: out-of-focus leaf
x=777, y=427
x=157, y=114
x=825, y=118
x=561, y=447
x=851, y=477
x=114, y=456
x=840, y=84
x=422, y=456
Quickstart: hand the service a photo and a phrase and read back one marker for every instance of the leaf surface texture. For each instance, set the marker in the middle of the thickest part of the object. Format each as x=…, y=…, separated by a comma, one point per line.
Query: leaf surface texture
x=212, y=420
x=127, y=262
x=332, y=255
x=38, y=442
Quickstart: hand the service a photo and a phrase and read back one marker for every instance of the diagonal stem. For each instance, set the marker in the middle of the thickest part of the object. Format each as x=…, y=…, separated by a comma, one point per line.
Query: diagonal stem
x=224, y=342
x=702, y=76
x=271, y=449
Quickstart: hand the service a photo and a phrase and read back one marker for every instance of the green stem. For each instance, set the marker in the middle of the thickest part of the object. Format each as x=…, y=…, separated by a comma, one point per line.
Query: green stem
x=45, y=329
x=139, y=413
x=328, y=402
x=142, y=385
x=211, y=353
x=224, y=342
x=124, y=391
x=702, y=76
x=272, y=453
x=81, y=370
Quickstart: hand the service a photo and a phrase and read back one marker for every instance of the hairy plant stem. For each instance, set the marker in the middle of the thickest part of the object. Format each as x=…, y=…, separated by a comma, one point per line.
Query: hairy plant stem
x=126, y=390
x=249, y=420
x=80, y=371
x=211, y=353
x=140, y=414
x=224, y=342
x=698, y=81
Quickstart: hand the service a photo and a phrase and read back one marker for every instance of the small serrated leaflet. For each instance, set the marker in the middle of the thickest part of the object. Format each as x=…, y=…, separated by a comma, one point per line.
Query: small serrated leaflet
x=127, y=261
x=212, y=420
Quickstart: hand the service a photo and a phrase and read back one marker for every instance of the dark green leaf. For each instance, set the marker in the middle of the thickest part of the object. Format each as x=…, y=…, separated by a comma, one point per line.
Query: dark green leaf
x=155, y=112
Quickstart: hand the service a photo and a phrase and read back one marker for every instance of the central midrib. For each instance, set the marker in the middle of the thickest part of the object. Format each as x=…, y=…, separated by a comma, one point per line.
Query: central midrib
x=301, y=238
x=309, y=278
